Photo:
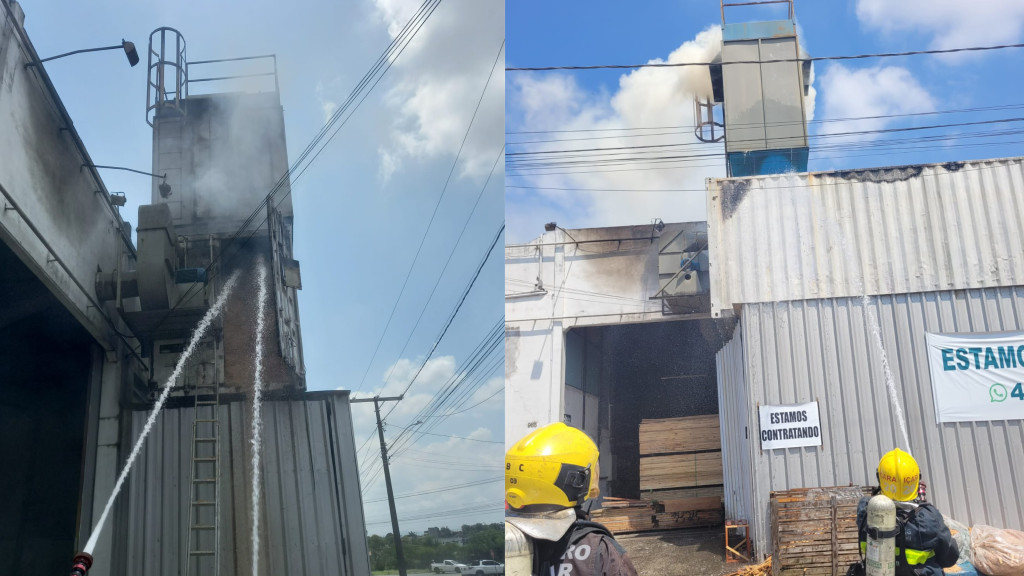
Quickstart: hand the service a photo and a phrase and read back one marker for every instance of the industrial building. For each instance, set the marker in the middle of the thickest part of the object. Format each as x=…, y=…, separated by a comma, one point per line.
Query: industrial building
x=94, y=324
x=771, y=303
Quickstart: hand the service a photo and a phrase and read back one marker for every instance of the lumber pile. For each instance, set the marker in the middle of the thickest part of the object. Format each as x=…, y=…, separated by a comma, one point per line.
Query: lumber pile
x=647, y=515
x=680, y=478
x=814, y=530
x=690, y=434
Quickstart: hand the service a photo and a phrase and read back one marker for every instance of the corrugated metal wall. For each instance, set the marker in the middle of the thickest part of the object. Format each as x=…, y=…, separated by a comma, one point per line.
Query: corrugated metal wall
x=733, y=417
x=823, y=350
x=880, y=231
x=312, y=514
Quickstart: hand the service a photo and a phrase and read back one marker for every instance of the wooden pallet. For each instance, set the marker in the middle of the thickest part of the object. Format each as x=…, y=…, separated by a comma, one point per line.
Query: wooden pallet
x=671, y=435
x=814, y=530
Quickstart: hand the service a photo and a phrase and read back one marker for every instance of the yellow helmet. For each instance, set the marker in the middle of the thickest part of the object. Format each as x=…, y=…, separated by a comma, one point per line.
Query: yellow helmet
x=554, y=466
x=899, y=475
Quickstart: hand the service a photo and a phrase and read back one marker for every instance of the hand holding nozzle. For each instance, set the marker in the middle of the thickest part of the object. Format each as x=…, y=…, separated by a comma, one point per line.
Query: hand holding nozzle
x=81, y=564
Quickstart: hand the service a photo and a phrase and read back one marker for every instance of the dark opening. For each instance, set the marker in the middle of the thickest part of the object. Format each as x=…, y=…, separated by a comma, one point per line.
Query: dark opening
x=44, y=376
x=616, y=376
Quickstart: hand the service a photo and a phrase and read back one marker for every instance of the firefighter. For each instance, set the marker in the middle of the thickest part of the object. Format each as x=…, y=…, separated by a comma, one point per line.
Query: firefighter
x=924, y=545
x=551, y=479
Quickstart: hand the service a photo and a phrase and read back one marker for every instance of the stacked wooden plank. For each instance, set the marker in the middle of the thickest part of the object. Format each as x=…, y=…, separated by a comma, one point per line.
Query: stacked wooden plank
x=680, y=478
x=680, y=453
x=814, y=530
x=690, y=434
x=647, y=515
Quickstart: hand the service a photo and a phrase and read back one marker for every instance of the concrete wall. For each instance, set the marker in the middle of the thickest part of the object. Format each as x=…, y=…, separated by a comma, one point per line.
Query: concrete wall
x=57, y=216
x=221, y=159
x=588, y=277
x=57, y=229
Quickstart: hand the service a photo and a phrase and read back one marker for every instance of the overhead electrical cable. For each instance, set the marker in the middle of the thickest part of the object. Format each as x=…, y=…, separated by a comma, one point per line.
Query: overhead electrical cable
x=784, y=122
x=773, y=61
x=433, y=214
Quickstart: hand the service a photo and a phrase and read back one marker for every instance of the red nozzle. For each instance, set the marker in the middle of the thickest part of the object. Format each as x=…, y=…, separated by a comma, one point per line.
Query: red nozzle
x=81, y=564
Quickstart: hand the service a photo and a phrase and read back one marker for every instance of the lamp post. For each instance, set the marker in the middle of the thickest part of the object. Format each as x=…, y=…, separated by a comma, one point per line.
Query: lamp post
x=164, y=187
x=128, y=47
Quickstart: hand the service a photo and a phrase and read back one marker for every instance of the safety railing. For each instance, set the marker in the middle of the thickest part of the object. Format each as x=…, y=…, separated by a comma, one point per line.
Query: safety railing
x=272, y=58
x=756, y=3
x=166, y=54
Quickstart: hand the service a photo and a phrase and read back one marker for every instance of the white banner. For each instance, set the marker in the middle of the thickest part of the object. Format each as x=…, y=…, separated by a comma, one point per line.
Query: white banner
x=977, y=376
x=789, y=426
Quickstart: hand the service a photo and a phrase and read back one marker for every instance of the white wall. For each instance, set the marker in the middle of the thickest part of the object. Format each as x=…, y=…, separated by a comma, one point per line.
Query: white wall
x=587, y=277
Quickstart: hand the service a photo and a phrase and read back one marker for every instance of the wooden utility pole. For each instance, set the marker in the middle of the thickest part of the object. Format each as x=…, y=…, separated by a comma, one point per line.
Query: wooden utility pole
x=387, y=476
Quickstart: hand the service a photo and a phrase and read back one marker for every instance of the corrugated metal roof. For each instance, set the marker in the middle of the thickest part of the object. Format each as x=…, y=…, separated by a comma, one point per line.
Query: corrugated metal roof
x=881, y=231
x=823, y=350
x=312, y=514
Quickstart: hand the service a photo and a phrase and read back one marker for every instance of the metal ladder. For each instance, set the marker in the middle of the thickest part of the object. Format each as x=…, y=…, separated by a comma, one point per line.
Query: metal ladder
x=203, y=556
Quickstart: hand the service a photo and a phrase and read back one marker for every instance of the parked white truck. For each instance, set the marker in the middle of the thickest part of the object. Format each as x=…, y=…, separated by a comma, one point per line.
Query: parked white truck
x=482, y=567
x=448, y=567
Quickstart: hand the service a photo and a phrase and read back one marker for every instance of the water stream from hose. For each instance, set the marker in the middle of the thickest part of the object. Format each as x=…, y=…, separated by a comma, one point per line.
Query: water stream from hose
x=834, y=230
x=197, y=335
x=257, y=418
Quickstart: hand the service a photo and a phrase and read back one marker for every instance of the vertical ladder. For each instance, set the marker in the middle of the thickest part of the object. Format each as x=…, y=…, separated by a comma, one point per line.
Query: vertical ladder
x=203, y=556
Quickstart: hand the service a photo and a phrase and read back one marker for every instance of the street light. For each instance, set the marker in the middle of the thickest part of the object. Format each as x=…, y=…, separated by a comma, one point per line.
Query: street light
x=164, y=187
x=128, y=47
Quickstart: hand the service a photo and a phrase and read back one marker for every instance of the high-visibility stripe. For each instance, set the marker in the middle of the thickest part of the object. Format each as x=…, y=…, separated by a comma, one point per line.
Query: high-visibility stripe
x=914, y=557
x=918, y=556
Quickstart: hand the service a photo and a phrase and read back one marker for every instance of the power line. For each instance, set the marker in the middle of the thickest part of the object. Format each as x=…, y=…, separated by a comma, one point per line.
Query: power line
x=445, y=489
x=444, y=189
x=451, y=436
x=526, y=162
x=465, y=226
x=402, y=441
x=778, y=61
x=781, y=123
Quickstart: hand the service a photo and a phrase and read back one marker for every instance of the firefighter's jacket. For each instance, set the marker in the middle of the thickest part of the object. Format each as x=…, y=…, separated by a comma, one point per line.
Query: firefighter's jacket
x=924, y=545
x=586, y=549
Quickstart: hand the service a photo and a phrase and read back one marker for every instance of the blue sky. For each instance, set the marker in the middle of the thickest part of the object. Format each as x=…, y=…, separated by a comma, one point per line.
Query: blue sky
x=558, y=105
x=362, y=208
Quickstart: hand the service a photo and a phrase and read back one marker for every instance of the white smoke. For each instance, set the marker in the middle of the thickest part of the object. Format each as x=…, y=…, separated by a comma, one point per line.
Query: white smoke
x=646, y=98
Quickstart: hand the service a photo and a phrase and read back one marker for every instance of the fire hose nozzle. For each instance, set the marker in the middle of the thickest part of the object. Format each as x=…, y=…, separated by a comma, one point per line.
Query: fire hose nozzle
x=81, y=564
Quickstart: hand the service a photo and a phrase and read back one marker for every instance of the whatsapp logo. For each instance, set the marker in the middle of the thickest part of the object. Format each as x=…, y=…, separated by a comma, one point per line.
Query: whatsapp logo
x=997, y=392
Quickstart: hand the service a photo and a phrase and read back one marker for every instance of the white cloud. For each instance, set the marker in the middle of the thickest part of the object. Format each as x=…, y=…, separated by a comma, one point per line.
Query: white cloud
x=649, y=97
x=327, y=94
x=438, y=81
x=951, y=23
x=868, y=93
x=434, y=461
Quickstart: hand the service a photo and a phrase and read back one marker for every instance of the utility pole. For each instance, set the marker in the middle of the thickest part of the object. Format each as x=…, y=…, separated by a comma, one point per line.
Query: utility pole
x=387, y=476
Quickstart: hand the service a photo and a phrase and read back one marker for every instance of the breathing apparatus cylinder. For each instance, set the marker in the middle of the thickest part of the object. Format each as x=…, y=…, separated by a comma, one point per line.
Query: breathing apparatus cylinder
x=881, y=537
x=518, y=552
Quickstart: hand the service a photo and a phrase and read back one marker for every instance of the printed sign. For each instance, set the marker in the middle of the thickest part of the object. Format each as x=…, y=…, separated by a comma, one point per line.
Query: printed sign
x=977, y=376
x=790, y=426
